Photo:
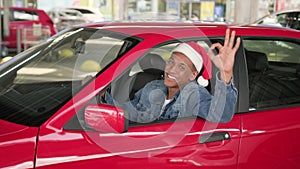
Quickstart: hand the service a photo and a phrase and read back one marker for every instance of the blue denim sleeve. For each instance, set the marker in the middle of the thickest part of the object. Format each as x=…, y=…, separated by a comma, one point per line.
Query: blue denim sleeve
x=128, y=106
x=109, y=99
x=221, y=106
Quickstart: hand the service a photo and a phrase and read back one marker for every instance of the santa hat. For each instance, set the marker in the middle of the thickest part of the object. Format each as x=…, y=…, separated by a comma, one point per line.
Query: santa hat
x=198, y=56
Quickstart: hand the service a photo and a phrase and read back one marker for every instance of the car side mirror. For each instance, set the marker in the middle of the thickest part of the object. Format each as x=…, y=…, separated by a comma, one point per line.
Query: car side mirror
x=106, y=118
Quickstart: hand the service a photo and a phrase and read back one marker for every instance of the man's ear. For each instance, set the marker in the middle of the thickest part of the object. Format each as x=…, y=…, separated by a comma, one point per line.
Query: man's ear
x=193, y=75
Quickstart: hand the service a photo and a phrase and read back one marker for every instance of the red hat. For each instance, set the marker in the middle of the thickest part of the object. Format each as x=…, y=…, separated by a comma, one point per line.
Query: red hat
x=198, y=56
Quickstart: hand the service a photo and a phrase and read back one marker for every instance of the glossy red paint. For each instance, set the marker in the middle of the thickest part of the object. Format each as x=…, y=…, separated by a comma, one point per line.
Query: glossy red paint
x=106, y=118
x=143, y=145
x=276, y=141
x=251, y=140
x=18, y=145
x=193, y=29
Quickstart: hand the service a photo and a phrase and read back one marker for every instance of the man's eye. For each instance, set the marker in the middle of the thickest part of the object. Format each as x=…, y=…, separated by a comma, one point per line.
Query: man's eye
x=181, y=67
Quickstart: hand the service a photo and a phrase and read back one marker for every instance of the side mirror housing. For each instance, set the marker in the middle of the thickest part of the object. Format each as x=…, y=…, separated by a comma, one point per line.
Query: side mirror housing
x=106, y=118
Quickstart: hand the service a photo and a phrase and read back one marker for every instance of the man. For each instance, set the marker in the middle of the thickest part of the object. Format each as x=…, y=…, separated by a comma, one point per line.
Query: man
x=182, y=93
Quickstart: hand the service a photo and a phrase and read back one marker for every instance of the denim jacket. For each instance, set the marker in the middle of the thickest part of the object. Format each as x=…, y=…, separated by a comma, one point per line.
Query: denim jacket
x=192, y=100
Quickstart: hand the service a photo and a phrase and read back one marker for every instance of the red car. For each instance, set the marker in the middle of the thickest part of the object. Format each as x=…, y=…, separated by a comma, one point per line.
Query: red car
x=20, y=18
x=52, y=115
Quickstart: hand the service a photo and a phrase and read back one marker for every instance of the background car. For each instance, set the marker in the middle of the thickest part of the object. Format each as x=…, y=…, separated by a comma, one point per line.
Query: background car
x=64, y=18
x=286, y=18
x=24, y=19
x=90, y=14
x=53, y=114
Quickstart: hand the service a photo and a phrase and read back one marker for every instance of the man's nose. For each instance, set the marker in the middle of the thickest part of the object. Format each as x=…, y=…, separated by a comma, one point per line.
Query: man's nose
x=172, y=69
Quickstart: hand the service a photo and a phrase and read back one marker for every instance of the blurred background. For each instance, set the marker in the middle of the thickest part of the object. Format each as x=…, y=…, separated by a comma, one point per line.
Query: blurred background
x=209, y=10
x=25, y=23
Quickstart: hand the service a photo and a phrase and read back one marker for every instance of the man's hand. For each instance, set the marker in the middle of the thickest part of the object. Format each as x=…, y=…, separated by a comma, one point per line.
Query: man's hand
x=224, y=61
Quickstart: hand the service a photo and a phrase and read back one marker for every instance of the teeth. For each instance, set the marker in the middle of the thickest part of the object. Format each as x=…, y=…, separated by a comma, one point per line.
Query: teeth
x=171, y=77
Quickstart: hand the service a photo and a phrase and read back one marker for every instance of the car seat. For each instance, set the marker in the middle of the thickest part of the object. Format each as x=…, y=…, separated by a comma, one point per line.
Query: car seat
x=270, y=86
x=259, y=89
x=152, y=66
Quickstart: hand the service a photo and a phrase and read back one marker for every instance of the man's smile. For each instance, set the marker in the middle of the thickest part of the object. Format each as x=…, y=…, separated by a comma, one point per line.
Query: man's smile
x=171, y=77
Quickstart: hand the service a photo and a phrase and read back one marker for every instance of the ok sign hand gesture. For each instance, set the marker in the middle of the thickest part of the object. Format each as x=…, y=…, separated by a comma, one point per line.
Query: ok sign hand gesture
x=224, y=61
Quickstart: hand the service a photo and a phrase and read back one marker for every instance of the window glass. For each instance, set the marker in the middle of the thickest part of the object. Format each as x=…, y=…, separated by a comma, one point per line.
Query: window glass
x=282, y=19
x=148, y=68
x=71, y=61
x=274, y=72
x=45, y=77
x=294, y=21
x=25, y=16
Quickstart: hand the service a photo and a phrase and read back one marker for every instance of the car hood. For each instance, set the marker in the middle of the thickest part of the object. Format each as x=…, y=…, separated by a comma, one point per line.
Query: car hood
x=9, y=128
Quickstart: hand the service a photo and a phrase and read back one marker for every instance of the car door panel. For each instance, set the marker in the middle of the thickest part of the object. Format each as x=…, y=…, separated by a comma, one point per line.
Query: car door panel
x=270, y=138
x=163, y=145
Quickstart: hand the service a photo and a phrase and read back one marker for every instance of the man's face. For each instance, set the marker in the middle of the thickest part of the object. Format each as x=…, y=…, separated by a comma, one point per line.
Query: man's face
x=179, y=71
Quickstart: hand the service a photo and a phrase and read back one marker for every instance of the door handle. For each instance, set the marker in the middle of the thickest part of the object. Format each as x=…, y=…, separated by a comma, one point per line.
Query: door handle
x=213, y=137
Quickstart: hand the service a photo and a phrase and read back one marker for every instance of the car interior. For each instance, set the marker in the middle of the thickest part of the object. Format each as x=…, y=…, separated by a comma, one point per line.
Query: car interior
x=151, y=67
x=271, y=83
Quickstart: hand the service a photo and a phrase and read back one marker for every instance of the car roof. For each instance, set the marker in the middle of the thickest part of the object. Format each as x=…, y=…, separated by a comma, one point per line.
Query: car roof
x=286, y=11
x=176, y=29
x=23, y=8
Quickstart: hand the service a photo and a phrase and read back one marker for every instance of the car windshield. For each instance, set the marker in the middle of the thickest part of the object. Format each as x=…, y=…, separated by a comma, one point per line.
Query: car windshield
x=35, y=83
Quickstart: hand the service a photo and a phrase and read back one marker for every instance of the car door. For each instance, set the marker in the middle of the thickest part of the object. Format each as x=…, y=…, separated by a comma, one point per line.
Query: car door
x=67, y=141
x=189, y=143
x=271, y=127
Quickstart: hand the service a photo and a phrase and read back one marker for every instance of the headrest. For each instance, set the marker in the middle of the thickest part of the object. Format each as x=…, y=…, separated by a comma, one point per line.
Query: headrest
x=256, y=61
x=152, y=63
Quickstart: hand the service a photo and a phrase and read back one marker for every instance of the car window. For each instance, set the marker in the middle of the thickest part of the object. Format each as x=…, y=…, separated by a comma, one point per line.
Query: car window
x=17, y=15
x=274, y=72
x=148, y=68
x=47, y=75
x=71, y=61
x=295, y=24
x=289, y=20
x=282, y=19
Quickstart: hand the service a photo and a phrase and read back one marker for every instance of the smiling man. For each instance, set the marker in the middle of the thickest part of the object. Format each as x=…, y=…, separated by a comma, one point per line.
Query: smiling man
x=182, y=93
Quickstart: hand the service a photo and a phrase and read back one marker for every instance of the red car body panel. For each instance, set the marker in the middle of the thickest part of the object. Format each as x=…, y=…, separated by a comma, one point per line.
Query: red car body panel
x=75, y=148
x=190, y=28
x=43, y=19
x=19, y=144
x=51, y=146
x=277, y=139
